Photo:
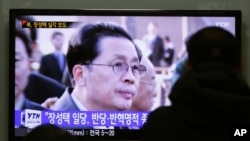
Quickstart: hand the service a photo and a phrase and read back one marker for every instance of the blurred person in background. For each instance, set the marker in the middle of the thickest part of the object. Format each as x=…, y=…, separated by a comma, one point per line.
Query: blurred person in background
x=39, y=87
x=168, y=51
x=210, y=97
x=179, y=69
x=22, y=72
x=53, y=64
x=155, y=43
x=36, y=54
x=147, y=89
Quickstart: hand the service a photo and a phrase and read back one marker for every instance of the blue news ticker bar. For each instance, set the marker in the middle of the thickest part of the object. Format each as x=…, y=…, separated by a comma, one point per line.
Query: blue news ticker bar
x=78, y=119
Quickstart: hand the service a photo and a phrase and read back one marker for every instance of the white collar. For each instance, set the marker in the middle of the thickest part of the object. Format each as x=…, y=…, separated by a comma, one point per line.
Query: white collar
x=82, y=108
x=78, y=103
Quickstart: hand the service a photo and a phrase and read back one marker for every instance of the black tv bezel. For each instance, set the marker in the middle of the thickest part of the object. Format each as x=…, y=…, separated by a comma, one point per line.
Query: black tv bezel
x=128, y=135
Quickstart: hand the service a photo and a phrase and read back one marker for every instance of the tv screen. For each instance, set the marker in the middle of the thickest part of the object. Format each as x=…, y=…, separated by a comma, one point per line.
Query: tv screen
x=83, y=100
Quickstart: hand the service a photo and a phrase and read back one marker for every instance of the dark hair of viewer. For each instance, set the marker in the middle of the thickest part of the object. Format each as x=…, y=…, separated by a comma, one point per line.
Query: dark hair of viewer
x=213, y=44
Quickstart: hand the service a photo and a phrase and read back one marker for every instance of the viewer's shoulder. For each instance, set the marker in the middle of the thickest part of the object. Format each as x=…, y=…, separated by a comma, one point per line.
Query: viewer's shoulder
x=161, y=111
x=159, y=116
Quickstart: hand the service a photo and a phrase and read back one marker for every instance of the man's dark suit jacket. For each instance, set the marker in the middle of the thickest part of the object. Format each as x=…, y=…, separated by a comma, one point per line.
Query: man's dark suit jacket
x=41, y=87
x=32, y=105
x=50, y=67
x=169, y=56
x=65, y=102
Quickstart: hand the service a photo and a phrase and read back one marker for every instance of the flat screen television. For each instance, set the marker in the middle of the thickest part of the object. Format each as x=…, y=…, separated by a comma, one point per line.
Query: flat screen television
x=173, y=27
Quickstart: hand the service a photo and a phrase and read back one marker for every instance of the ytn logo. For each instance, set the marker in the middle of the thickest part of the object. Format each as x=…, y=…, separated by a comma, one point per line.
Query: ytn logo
x=31, y=118
x=222, y=24
x=34, y=115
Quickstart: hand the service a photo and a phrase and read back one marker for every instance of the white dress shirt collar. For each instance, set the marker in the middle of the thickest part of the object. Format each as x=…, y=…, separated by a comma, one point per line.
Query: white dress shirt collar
x=78, y=103
x=82, y=108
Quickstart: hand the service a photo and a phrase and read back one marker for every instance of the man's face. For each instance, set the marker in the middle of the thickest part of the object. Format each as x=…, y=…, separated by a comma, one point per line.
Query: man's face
x=58, y=42
x=22, y=68
x=147, y=90
x=106, y=89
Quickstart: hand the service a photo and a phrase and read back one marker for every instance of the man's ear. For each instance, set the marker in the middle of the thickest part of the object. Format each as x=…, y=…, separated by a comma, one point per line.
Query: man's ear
x=187, y=65
x=79, y=75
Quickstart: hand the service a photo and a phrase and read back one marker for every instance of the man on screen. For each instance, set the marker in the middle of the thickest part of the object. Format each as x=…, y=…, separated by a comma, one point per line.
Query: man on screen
x=22, y=71
x=147, y=89
x=155, y=43
x=105, y=65
x=53, y=64
x=39, y=87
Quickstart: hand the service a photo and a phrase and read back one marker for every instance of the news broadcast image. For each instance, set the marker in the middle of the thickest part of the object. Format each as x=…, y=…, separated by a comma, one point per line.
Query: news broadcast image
x=42, y=82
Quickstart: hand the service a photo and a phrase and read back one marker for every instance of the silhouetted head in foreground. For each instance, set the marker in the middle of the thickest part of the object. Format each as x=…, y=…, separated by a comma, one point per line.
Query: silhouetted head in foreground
x=210, y=99
x=213, y=45
x=49, y=132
